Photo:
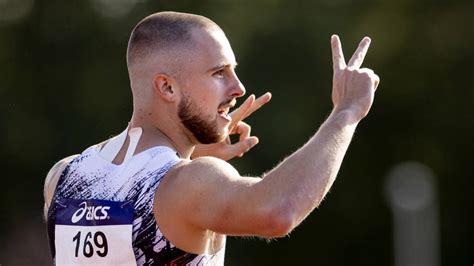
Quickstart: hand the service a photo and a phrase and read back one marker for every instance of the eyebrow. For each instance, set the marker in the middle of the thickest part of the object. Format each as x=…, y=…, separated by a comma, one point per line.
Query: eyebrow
x=221, y=66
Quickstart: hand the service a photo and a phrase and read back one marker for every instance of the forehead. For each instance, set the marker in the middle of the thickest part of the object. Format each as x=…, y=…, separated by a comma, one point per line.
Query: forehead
x=211, y=49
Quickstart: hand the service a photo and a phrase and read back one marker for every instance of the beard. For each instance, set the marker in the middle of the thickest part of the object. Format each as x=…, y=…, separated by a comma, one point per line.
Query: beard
x=204, y=129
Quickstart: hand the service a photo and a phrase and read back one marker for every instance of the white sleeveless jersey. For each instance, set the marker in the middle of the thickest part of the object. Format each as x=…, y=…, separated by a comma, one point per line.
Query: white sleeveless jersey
x=102, y=213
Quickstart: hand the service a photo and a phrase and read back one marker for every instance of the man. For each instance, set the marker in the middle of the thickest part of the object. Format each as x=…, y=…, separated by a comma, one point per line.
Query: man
x=148, y=197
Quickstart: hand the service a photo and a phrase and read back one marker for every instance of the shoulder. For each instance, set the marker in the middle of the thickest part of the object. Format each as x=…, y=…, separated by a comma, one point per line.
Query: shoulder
x=204, y=181
x=205, y=167
x=53, y=176
x=190, y=180
x=199, y=196
x=52, y=179
x=200, y=173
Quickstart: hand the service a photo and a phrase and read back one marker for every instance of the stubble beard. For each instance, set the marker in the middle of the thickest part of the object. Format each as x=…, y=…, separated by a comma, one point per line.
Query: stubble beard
x=204, y=130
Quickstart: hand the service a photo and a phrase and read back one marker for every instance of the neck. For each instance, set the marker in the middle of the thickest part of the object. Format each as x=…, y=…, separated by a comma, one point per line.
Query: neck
x=162, y=133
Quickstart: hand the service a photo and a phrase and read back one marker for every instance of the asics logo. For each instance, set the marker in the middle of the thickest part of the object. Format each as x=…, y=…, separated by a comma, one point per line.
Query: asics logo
x=91, y=213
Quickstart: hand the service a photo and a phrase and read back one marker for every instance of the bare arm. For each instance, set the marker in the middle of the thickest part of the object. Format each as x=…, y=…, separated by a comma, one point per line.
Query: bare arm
x=308, y=174
x=213, y=196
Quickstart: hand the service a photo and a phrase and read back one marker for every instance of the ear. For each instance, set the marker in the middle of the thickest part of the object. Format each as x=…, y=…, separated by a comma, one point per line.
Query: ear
x=163, y=86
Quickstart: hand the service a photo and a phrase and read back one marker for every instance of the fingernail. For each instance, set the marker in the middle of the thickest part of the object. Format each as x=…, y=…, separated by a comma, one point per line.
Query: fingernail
x=250, y=98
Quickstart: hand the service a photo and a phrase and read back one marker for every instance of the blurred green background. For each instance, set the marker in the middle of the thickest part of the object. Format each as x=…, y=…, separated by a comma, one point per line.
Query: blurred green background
x=64, y=86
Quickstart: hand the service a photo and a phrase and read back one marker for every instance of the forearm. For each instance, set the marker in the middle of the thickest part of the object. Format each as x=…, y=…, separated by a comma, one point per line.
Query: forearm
x=300, y=182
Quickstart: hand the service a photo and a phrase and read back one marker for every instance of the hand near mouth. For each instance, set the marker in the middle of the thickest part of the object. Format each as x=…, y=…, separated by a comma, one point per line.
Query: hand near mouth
x=225, y=150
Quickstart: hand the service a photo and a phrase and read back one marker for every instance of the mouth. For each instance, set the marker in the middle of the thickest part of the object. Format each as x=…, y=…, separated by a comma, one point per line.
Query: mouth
x=223, y=111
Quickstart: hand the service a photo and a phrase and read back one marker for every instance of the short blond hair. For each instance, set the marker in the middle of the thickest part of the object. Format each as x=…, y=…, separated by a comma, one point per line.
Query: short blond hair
x=164, y=30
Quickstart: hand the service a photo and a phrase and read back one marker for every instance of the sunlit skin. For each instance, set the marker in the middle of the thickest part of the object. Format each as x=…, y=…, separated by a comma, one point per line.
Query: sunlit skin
x=216, y=201
x=226, y=150
x=210, y=85
x=214, y=68
x=203, y=200
x=208, y=80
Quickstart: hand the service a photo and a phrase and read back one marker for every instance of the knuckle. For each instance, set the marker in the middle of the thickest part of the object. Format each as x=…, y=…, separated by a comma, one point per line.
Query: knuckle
x=350, y=70
x=242, y=123
x=376, y=79
x=366, y=70
x=366, y=73
x=245, y=126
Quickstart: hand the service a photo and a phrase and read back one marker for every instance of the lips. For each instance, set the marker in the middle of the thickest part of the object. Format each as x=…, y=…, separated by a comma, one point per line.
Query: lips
x=225, y=116
x=223, y=110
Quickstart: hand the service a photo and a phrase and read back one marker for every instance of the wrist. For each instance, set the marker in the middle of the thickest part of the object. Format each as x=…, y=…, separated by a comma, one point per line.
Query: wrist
x=344, y=118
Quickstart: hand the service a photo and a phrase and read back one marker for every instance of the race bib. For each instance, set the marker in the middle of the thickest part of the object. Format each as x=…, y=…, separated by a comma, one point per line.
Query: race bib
x=94, y=232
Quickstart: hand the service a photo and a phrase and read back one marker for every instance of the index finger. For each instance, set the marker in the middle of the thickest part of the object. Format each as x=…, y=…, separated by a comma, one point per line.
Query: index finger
x=359, y=54
x=259, y=102
x=239, y=113
x=338, y=60
x=242, y=113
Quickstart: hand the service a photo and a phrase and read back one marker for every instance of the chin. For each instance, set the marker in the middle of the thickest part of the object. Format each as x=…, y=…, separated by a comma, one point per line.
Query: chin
x=205, y=131
x=216, y=137
x=224, y=133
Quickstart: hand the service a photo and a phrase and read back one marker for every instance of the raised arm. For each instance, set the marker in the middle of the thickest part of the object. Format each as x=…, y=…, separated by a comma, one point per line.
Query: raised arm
x=208, y=194
x=305, y=177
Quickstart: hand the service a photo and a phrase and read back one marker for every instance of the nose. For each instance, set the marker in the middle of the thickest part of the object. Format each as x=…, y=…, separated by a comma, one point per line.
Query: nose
x=237, y=88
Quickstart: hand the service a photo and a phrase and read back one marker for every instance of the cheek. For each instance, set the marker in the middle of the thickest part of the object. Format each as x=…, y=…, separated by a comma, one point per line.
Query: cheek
x=207, y=93
x=210, y=93
x=205, y=105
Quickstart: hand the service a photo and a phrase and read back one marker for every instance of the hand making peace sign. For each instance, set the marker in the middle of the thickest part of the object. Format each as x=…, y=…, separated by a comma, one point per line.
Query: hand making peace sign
x=226, y=150
x=353, y=87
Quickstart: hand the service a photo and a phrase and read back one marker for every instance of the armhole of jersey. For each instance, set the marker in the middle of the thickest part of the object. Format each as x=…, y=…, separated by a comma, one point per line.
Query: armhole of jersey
x=52, y=179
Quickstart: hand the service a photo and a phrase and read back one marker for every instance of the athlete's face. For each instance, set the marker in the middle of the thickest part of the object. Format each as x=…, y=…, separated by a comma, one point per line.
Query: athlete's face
x=209, y=87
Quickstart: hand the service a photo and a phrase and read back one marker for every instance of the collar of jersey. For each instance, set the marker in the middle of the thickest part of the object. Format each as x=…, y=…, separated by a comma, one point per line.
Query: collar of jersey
x=113, y=146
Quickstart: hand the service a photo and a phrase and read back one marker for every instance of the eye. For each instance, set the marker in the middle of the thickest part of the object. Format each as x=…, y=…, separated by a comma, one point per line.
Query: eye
x=219, y=73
